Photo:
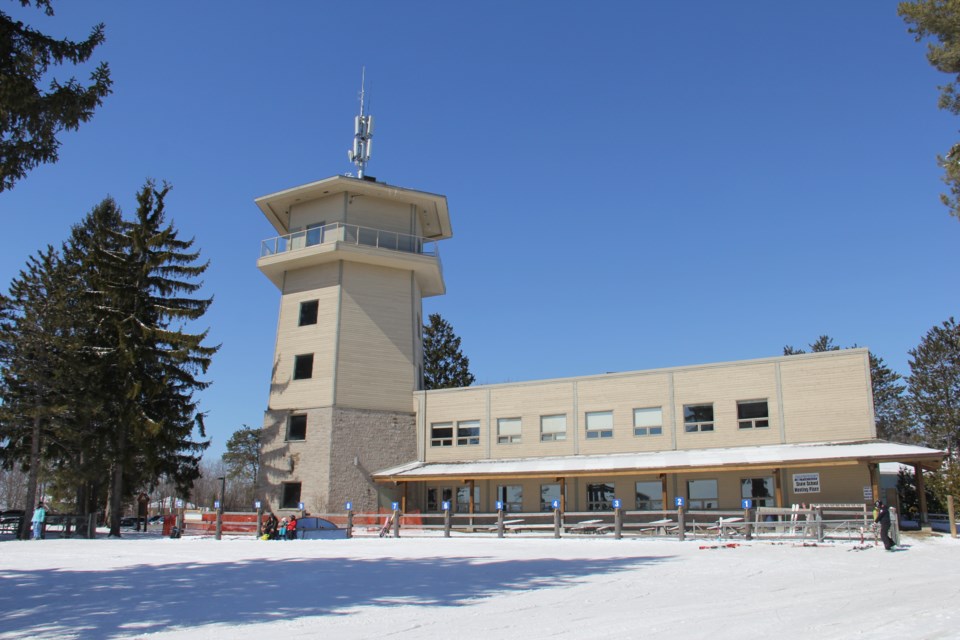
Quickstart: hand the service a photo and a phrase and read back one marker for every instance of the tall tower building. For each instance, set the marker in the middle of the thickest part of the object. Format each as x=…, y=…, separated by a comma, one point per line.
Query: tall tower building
x=353, y=260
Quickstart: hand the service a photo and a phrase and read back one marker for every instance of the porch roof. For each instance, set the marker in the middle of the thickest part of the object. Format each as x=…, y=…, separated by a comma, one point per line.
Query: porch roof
x=690, y=460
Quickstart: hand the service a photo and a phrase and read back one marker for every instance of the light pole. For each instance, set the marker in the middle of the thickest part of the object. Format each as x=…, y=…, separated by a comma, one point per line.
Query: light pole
x=223, y=488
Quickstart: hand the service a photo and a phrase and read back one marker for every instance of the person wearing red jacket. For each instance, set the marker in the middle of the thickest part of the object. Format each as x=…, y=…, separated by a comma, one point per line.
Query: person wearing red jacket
x=292, y=528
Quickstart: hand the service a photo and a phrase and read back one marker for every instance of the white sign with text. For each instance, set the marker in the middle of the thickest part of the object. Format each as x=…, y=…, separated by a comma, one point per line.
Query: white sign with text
x=806, y=483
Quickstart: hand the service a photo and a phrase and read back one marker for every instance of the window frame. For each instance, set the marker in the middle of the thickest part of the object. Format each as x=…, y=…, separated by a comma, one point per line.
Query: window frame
x=307, y=316
x=696, y=504
x=760, y=501
x=547, y=506
x=650, y=504
x=510, y=438
x=511, y=506
x=600, y=432
x=699, y=426
x=753, y=422
x=647, y=430
x=441, y=441
x=607, y=494
x=468, y=439
x=297, y=359
x=290, y=427
x=285, y=494
x=553, y=436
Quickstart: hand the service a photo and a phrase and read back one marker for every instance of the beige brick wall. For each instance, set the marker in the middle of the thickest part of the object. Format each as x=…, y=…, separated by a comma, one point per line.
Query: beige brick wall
x=810, y=398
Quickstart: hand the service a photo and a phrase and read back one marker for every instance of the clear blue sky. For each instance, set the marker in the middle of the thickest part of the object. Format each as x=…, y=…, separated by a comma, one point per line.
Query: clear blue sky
x=632, y=185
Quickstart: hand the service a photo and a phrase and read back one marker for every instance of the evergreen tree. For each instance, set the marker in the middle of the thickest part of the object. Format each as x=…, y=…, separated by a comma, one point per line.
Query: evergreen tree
x=939, y=21
x=32, y=355
x=889, y=412
x=31, y=118
x=444, y=365
x=242, y=461
x=934, y=387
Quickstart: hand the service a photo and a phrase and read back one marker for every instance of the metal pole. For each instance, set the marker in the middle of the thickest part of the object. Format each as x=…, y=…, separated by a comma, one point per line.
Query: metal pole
x=223, y=483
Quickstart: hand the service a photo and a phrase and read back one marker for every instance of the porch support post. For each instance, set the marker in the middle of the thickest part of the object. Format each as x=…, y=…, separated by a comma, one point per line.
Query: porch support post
x=778, y=487
x=875, y=480
x=563, y=494
x=921, y=493
x=663, y=490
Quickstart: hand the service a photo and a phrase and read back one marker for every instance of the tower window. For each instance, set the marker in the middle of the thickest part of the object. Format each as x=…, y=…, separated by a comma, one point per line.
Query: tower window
x=308, y=312
x=303, y=366
x=297, y=427
x=290, y=495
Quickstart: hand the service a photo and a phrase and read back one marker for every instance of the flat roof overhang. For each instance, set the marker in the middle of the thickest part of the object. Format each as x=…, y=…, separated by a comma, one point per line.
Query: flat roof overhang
x=434, y=217
x=689, y=461
x=426, y=268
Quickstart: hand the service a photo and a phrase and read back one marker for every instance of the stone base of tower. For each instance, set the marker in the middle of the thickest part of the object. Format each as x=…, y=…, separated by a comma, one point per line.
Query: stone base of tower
x=333, y=463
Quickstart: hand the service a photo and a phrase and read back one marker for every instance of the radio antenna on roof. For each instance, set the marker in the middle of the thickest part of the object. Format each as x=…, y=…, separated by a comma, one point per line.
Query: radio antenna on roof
x=362, y=133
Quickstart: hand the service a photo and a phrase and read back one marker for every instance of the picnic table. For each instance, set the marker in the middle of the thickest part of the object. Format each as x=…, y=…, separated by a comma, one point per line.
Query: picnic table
x=657, y=526
x=589, y=526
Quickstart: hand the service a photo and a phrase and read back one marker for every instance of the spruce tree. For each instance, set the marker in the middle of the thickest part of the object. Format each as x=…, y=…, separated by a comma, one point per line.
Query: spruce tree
x=938, y=22
x=444, y=365
x=30, y=117
x=32, y=351
x=934, y=386
x=142, y=363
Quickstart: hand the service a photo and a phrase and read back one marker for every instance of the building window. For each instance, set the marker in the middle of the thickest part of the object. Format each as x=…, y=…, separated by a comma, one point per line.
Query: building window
x=303, y=366
x=648, y=422
x=436, y=496
x=290, y=495
x=697, y=417
x=599, y=497
x=308, y=312
x=649, y=496
x=760, y=490
x=511, y=496
x=508, y=430
x=599, y=424
x=702, y=494
x=463, y=498
x=468, y=432
x=441, y=434
x=553, y=428
x=549, y=493
x=297, y=427
x=752, y=414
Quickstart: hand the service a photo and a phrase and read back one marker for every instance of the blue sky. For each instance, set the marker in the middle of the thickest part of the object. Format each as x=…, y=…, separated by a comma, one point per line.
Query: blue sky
x=632, y=185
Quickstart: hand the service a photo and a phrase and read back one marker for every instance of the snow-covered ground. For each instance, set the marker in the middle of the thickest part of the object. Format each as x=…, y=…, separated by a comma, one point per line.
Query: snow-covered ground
x=144, y=586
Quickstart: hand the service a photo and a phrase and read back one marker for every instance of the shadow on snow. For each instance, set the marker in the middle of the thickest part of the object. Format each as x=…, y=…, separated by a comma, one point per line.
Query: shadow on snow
x=148, y=598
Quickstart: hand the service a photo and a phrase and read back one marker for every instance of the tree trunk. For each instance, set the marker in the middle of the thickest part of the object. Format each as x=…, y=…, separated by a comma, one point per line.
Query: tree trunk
x=116, y=486
x=33, y=479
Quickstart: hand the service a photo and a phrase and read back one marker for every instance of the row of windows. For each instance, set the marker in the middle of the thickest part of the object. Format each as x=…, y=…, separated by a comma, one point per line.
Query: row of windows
x=701, y=495
x=647, y=421
x=648, y=496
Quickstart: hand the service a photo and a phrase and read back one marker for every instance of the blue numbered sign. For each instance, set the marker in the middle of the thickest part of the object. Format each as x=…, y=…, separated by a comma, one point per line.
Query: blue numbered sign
x=616, y=503
x=499, y=505
x=216, y=504
x=348, y=506
x=301, y=506
x=256, y=504
x=395, y=506
x=747, y=504
x=556, y=504
x=678, y=501
x=446, y=505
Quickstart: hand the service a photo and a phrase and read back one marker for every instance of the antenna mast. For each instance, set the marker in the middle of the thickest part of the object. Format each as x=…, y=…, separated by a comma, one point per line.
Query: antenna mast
x=362, y=133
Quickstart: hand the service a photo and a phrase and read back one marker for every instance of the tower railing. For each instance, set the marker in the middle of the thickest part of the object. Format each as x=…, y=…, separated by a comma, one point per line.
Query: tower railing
x=348, y=234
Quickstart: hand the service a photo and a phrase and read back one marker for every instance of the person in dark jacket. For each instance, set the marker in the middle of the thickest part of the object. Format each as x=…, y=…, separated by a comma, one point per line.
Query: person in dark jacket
x=270, y=527
x=883, y=518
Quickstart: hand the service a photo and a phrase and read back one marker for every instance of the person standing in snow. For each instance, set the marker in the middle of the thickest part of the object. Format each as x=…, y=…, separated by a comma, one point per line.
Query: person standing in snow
x=39, y=516
x=883, y=518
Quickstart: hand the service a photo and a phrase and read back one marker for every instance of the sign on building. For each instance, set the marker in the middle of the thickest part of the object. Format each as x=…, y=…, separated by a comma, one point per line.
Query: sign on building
x=806, y=483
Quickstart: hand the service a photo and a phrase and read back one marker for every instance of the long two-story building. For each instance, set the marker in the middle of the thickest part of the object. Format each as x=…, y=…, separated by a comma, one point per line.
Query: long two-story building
x=349, y=421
